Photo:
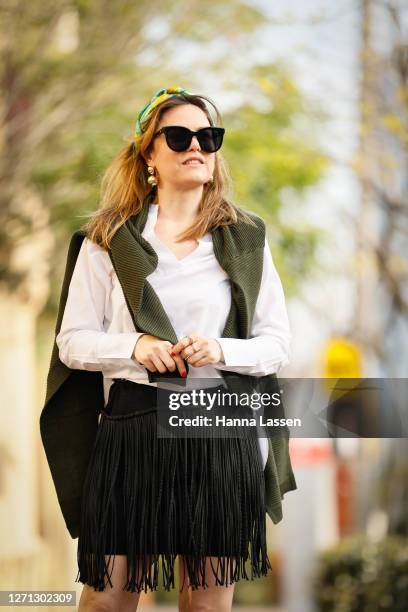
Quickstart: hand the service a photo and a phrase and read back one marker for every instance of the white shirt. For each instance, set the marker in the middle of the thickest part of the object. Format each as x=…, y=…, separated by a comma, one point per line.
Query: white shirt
x=97, y=332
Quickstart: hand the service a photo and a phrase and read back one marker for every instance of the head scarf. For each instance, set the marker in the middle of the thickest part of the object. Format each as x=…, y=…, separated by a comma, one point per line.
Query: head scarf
x=160, y=96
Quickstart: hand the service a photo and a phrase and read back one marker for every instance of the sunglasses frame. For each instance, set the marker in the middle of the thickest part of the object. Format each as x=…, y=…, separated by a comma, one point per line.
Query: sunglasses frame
x=165, y=129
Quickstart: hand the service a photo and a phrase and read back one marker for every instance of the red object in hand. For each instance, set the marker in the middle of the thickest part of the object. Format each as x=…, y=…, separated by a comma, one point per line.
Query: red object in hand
x=184, y=374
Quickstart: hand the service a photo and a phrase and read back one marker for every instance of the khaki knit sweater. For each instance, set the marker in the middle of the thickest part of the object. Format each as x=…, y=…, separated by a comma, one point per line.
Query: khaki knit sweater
x=69, y=418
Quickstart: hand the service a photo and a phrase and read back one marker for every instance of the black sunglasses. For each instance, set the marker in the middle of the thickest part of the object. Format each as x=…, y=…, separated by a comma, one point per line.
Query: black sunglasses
x=179, y=138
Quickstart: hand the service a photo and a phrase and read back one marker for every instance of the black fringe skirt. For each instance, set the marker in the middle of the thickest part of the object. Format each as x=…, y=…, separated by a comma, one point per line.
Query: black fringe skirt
x=152, y=499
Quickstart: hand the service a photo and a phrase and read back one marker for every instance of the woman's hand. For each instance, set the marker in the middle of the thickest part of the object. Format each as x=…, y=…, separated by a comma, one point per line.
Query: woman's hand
x=154, y=354
x=198, y=350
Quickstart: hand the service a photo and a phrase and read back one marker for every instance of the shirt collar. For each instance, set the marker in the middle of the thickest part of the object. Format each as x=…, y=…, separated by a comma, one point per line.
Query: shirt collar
x=151, y=222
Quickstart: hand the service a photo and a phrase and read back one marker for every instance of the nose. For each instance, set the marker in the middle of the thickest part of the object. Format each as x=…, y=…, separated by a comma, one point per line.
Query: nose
x=194, y=144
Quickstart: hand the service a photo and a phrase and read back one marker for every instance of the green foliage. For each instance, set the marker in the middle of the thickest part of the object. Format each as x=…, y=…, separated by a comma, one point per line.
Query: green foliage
x=361, y=576
x=271, y=156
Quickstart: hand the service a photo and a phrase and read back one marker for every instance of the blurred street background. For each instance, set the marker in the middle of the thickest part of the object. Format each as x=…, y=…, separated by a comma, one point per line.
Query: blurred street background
x=314, y=100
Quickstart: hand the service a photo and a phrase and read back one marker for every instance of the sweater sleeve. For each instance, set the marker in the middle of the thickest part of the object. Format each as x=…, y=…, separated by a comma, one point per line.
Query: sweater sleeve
x=268, y=348
x=82, y=341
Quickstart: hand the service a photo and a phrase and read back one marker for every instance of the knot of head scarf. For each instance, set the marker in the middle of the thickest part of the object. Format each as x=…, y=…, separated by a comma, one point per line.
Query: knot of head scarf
x=159, y=97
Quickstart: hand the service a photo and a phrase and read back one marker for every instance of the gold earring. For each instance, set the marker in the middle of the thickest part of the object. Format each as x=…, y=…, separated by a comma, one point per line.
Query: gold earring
x=152, y=179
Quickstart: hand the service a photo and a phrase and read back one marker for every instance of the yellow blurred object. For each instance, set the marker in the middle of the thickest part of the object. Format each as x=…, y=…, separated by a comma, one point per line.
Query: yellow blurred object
x=341, y=359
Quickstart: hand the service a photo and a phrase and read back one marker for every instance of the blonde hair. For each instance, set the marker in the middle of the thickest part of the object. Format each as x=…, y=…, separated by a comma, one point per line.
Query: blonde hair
x=124, y=185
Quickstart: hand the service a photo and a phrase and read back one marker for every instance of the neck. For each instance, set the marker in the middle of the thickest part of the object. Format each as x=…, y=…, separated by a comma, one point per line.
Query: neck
x=176, y=205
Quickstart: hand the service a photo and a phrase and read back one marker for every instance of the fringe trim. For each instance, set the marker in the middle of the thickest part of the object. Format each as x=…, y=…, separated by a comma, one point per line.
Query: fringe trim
x=222, y=497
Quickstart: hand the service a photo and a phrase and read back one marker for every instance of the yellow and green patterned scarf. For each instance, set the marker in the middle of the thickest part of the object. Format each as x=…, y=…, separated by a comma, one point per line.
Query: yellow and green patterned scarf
x=160, y=96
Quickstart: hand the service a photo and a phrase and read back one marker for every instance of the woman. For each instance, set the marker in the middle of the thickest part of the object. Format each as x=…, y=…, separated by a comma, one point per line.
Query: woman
x=145, y=497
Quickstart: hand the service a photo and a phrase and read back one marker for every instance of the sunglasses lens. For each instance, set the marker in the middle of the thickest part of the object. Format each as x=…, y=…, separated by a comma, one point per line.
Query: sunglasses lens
x=210, y=139
x=178, y=138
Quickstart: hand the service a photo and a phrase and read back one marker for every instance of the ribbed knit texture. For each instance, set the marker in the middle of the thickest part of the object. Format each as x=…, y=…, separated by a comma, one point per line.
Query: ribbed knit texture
x=69, y=418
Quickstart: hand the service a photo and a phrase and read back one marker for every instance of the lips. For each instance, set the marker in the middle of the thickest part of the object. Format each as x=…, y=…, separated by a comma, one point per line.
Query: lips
x=195, y=159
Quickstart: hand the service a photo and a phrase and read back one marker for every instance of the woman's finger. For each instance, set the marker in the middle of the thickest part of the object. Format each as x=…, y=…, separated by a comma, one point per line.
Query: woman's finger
x=197, y=356
x=187, y=352
x=179, y=363
x=201, y=362
x=184, y=342
x=167, y=360
x=159, y=364
x=149, y=365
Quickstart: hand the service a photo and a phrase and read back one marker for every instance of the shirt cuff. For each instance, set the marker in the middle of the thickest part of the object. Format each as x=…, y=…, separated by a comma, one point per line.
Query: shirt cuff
x=118, y=345
x=236, y=352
